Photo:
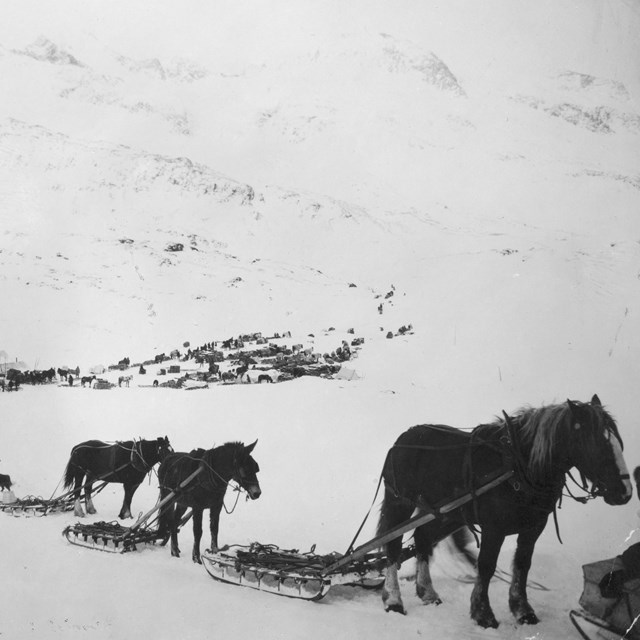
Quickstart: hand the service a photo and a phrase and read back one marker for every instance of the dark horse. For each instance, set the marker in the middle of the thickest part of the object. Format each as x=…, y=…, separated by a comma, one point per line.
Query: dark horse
x=231, y=461
x=124, y=462
x=430, y=465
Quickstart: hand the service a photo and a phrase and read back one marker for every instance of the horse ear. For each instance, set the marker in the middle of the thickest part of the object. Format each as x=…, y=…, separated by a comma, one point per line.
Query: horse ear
x=595, y=401
x=574, y=408
x=250, y=447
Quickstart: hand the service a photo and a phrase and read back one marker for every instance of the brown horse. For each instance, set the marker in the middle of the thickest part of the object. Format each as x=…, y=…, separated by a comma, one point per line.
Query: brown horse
x=231, y=461
x=431, y=464
x=125, y=462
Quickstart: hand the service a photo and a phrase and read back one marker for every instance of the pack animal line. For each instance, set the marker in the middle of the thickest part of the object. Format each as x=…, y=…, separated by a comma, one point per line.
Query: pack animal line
x=429, y=463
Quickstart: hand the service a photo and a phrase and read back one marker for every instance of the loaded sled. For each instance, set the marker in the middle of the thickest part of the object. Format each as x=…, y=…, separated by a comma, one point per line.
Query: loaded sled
x=310, y=576
x=607, y=618
x=38, y=506
x=114, y=538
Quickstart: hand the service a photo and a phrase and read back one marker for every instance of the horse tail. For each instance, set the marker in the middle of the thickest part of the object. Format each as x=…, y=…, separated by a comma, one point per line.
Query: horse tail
x=384, y=521
x=461, y=539
x=70, y=471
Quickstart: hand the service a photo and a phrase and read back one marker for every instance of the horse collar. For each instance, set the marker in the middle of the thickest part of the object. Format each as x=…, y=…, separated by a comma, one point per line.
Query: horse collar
x=137, y=450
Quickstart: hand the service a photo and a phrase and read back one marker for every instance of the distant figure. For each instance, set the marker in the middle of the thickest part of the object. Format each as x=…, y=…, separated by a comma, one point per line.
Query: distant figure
x=70, y=378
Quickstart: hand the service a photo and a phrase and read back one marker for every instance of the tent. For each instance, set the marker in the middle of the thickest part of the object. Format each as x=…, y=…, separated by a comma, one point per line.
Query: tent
x=345, y=373
x=97, y=369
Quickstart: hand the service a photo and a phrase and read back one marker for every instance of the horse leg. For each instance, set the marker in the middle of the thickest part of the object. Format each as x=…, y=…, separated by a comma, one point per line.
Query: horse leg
x=393, y=512
x=77, y=505
x=129, y=490
x=197, y=534
x=424, y=549
x=214, y=522
x=176, y=514
x=518, y=602
x=88, y=502
x=487, y=559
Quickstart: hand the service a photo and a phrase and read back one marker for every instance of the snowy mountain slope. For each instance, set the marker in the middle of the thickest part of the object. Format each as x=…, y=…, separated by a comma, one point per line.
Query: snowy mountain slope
x=208, y=169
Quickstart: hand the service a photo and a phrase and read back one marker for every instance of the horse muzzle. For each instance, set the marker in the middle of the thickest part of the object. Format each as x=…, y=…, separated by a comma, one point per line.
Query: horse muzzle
x=615, y=498
x=253, y=491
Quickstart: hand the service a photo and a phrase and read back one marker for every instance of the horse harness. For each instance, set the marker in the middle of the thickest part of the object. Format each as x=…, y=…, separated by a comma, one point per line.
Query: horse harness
x=213, y=476
x=508, y=446
x=136, y=459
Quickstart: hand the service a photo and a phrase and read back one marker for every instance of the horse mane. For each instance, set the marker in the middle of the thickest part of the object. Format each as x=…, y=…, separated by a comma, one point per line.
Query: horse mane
x=228, y=449
x=236, y=445
x=542, y=431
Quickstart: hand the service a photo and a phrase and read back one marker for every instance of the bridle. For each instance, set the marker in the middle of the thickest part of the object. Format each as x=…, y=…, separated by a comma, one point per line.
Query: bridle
x=136, y=450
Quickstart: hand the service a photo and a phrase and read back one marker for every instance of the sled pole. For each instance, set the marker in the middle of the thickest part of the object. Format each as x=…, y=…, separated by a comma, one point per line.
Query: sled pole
x=170, y=497
x=86, y=484
x=414, y=523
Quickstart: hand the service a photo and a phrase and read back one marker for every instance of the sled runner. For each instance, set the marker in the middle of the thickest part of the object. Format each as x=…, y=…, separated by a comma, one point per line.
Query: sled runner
x=38, y=506
x=593, y=628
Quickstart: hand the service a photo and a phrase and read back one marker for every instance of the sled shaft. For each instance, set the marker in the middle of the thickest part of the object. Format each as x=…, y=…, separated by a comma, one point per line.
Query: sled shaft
x=170, y=497
x=415, y=522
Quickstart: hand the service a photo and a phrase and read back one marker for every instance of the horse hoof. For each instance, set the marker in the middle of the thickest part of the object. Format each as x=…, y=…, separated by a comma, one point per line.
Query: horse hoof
x=488, y=623
x=396, y=608
x=528, y=618
x=428, y=596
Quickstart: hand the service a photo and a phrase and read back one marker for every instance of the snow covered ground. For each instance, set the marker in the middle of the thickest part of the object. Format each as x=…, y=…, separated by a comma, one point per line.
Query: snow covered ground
x=321, y=444
x=471, y=167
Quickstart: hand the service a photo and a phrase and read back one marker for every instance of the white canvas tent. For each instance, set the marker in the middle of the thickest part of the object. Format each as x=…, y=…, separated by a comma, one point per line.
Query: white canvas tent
x=345, y=373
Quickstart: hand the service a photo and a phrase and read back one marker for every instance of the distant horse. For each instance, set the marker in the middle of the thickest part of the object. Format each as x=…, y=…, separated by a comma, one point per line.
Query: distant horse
x=231, y=461
x=240, y=371
x=124, y=462
x=430, y=465
x=5, y=482
x=124, y=380
x=87, y=380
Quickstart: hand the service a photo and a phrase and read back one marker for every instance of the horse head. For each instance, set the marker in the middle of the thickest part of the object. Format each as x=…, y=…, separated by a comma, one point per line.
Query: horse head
x=246, y=470
x=596, y=451
x=163, y=448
